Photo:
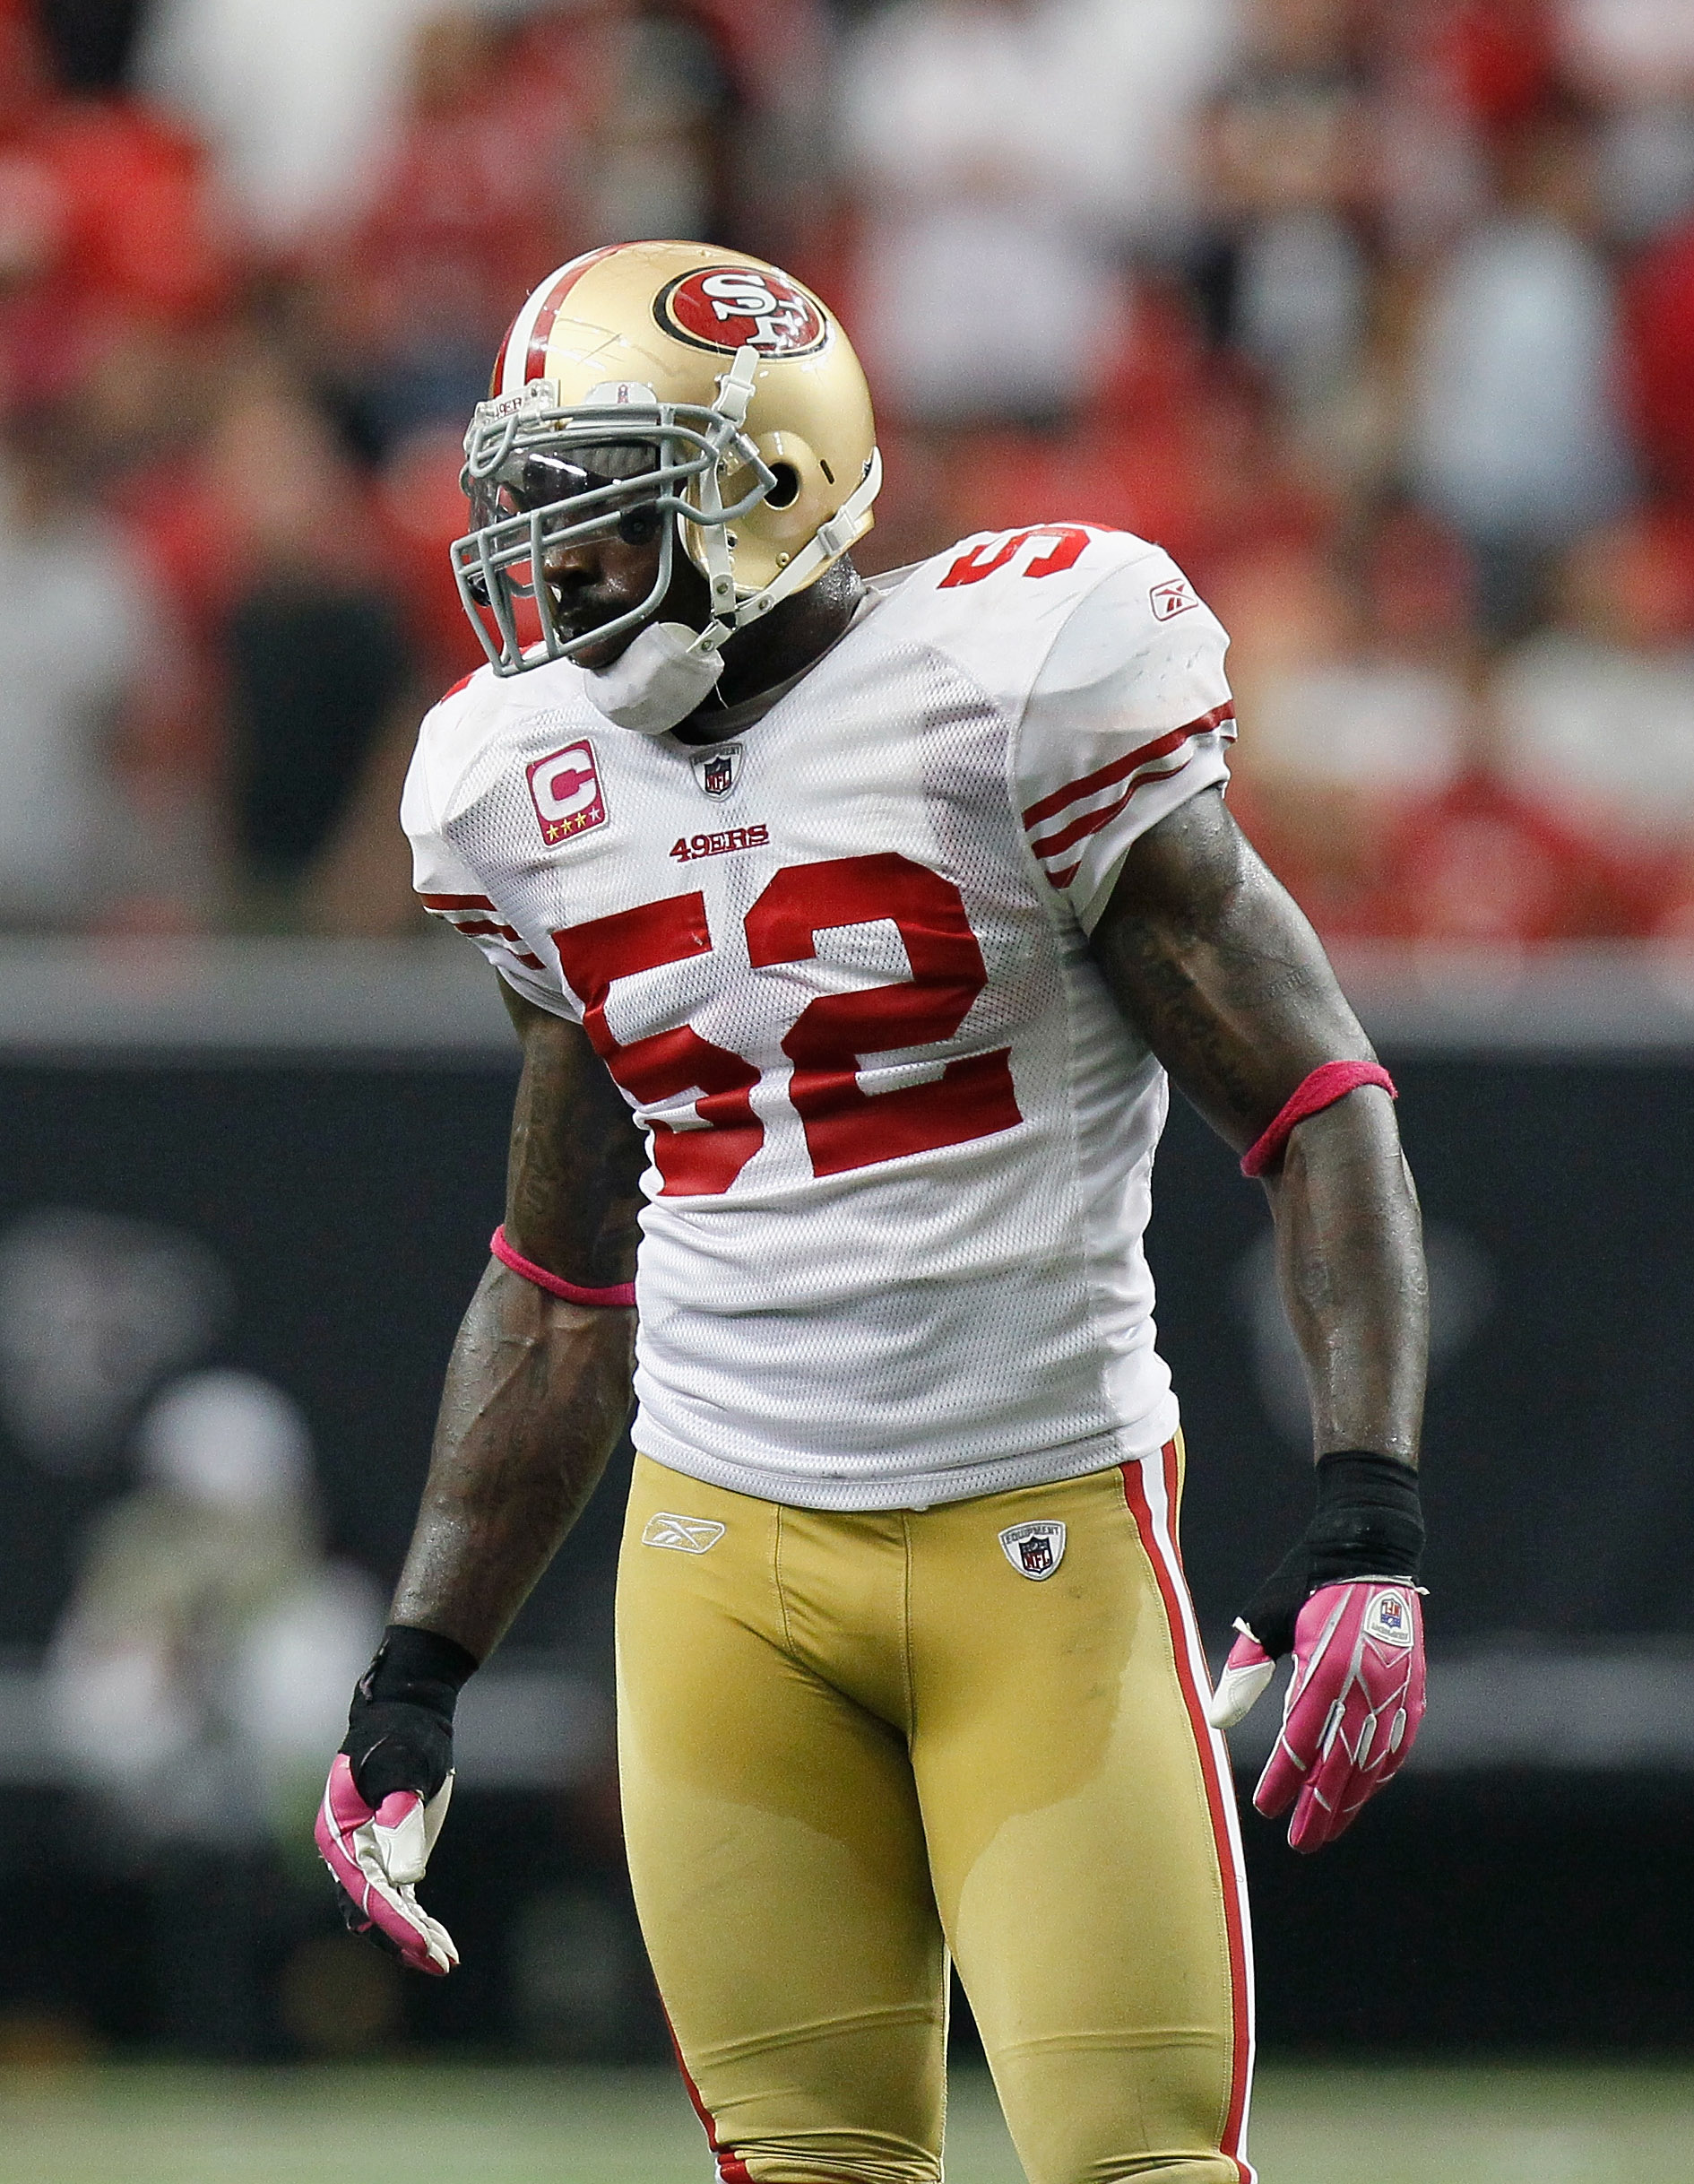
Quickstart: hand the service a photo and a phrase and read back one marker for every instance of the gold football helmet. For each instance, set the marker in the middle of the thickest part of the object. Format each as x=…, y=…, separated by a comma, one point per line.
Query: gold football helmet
x=670, y=390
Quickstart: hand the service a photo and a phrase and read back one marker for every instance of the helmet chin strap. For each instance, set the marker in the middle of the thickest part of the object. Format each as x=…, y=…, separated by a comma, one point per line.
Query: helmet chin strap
x=668, y=669
x=663, y=672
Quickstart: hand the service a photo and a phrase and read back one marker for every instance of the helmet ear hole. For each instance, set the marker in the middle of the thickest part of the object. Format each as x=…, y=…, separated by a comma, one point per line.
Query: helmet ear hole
x=785, y=492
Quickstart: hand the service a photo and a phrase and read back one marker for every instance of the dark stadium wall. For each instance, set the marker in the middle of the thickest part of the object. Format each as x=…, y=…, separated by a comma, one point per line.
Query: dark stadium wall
x=352, y=1204
x=349, y=1204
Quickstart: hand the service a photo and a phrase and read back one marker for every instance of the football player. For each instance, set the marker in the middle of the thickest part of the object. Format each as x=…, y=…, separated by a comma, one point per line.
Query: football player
x=853, y=932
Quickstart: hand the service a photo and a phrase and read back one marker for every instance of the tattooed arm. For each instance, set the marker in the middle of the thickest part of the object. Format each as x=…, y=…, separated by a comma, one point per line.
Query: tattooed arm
x=1210, y=961
x=537, y=1393
x=538, y=1389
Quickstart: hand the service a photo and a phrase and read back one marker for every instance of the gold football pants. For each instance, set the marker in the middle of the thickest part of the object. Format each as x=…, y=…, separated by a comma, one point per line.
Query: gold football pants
x=852, y=1743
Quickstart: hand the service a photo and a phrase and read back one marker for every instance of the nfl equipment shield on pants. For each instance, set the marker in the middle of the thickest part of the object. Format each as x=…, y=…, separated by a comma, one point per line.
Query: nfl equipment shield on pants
x=853, y=1744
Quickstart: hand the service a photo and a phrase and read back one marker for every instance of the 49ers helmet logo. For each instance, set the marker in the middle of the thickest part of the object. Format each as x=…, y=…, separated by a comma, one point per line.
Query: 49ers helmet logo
x=740, y=307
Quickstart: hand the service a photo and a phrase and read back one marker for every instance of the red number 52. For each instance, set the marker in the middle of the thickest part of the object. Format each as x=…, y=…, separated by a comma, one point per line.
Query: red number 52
x=846, y=1127
x=1066, y=544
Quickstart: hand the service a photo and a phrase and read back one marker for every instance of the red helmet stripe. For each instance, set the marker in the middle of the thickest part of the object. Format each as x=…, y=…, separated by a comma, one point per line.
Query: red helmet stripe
x=498, y=373
x=547, y=313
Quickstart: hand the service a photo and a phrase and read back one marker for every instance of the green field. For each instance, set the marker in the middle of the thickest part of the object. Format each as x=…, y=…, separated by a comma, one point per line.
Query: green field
x=413, y=2124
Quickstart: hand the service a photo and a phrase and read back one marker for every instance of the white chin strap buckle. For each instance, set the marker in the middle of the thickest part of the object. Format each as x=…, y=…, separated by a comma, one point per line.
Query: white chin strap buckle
x=664, y=672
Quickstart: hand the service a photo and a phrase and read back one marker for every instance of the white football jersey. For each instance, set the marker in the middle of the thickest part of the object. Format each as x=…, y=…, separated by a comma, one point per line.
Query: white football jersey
x=900, y=1139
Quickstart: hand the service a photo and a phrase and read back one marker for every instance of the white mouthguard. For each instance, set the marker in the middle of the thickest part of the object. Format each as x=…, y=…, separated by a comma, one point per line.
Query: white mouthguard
x=660, y=678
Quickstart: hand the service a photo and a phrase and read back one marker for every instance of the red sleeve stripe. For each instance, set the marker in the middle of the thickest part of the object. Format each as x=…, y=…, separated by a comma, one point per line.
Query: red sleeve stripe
x=1079, y=829
x=1059, y=877
x=492, y=926
x=1091, y=785
x=1151, y=758
x=453, y=907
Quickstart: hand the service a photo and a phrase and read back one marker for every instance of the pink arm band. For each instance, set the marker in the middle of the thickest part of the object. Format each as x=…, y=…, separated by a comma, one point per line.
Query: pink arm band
x=1330, y=1081
x=621, y=1293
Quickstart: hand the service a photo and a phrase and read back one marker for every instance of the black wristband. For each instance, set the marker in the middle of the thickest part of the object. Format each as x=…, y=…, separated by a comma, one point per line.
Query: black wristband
x=399, y=1725
x=1368, y=1523
x=421, y=1665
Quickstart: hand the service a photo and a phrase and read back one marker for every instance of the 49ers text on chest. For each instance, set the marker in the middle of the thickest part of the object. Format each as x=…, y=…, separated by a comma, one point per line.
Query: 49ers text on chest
x=687, y=847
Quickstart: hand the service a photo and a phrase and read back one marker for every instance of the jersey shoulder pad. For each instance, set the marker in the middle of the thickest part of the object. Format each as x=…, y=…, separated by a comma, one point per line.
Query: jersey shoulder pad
x=997, y=601
x=1127, y=715
x=452, y=734
x=1045, y=561
x=458, y=732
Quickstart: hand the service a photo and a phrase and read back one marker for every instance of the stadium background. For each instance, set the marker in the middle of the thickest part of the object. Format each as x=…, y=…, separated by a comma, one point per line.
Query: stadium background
x=1381, y=317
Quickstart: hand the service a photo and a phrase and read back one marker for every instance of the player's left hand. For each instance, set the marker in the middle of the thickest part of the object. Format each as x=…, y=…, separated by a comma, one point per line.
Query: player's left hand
x=1354, y=1705
x=1357, y=1693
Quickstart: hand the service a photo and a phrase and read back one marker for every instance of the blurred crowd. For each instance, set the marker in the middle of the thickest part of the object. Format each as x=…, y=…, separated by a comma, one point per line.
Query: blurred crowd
x=1379, y=313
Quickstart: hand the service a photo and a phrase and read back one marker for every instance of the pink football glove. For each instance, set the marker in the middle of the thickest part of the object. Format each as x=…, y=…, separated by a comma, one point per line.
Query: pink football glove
x=1354, y=1705
x=378, y=1854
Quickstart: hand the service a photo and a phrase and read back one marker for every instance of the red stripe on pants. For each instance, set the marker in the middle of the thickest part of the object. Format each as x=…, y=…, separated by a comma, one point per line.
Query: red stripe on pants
x=731, y=2168
x=1167, y=1569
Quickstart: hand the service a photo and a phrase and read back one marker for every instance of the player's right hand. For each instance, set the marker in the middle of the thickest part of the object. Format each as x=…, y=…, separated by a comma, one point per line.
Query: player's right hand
x=388, y=1793
x=376, y=1855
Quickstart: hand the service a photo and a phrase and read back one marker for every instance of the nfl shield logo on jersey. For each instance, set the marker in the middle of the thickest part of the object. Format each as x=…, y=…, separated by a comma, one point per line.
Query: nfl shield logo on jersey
x=1034, y=1550
x=718, y=770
